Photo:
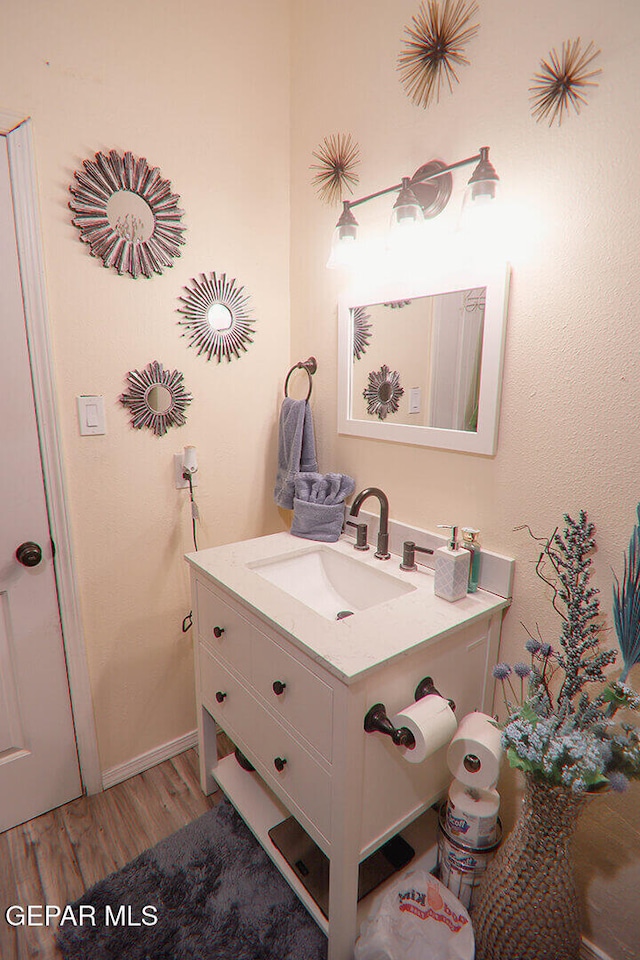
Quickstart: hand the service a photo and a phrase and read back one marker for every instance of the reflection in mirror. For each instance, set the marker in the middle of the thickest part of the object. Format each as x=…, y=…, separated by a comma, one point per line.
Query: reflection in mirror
x=219, y=317
x=130, y=216
x=156, y=398
x=383, y=392
x=443, y=341
x=436, y=344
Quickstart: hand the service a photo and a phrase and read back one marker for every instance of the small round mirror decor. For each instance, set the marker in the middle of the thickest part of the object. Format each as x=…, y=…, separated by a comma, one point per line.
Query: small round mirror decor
x=156, y=398
x=127, y=214
x=218, y=322
x=383, y=392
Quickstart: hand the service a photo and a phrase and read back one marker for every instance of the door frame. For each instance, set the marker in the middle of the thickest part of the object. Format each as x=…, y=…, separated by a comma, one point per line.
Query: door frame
x=17, y=130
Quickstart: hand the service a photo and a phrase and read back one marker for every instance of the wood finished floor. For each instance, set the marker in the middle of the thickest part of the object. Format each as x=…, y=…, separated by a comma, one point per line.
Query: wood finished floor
x=54, y=858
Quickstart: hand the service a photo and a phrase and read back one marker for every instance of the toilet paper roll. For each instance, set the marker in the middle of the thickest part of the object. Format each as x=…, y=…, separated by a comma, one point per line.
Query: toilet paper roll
x=472, y=814
x=474, y=753
x=432, y=723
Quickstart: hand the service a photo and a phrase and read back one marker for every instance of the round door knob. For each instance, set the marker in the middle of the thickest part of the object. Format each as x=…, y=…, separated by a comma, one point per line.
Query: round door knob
x=278, y=687
x=220, y=696
x=279, y=763
x=29, y=554
x=217, y=632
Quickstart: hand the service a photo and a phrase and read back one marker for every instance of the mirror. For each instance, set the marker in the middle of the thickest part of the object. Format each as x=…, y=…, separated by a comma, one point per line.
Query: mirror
x=126, y=213
x=156, y=398
x=217, y=316
x=422, y=363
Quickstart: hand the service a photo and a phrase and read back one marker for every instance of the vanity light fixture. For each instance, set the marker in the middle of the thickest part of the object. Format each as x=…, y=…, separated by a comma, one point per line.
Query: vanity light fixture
x=420, y=197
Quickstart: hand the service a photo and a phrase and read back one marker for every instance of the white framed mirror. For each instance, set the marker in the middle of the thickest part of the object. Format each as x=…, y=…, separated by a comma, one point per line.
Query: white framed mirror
x=441, y=343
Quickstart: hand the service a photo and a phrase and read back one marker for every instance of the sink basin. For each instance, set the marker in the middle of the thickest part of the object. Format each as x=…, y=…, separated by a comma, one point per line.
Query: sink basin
x=332, y=584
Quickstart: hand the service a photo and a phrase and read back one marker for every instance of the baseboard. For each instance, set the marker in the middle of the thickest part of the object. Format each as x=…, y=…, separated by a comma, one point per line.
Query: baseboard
x=589, y=951
x=123, y=771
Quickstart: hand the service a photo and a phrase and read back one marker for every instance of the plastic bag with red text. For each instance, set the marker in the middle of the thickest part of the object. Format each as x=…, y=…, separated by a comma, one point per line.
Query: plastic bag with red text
x=416, y=918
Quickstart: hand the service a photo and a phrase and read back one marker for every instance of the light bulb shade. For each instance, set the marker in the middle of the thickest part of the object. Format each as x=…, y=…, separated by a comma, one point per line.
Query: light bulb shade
x=407, y=208
x=344, y=244
x=483, y=183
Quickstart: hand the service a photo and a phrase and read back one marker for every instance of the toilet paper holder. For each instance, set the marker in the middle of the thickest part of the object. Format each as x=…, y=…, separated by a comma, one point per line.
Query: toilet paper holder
x=377, y=720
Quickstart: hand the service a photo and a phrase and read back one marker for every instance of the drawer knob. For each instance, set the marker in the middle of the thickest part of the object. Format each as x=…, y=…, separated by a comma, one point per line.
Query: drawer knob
x=217, y=632
x=220, y=696
x=279, y=763
x=278, y=687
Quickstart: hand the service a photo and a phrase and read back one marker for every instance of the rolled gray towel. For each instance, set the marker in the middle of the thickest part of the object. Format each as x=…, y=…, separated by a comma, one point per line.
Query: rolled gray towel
x=318, y=505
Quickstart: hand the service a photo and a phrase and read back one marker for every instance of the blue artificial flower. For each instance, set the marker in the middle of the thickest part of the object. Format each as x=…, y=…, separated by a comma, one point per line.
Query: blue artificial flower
x=546, y=649
x=501, y=671
x=522, y=669
x=618, y=781
x=532, y=645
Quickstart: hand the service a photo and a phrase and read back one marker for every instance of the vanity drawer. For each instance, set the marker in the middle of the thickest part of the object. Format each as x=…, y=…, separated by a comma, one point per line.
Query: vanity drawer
x=302, y=783
x=225, y=633
x=226, y=699
x=294, y=692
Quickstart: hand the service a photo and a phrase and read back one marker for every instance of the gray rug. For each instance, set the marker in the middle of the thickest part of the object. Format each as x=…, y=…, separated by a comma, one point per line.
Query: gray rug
x=216, y=895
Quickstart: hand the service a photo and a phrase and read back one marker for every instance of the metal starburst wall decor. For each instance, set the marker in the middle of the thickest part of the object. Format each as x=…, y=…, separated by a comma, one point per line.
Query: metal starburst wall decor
x=562, y=81
x=361, y=331
x=337, y=157
x=435, y=48
x=383, y=392
x=156, y=398
x=218, y=322
x=126, y=212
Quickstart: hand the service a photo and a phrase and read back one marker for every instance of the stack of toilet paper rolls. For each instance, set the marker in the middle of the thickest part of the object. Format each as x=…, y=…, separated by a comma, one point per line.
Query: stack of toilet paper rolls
x=469, y=829
x=473, y=758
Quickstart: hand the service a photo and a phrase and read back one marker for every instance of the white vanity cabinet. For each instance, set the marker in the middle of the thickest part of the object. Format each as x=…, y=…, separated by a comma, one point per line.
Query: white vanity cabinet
x=291, y=689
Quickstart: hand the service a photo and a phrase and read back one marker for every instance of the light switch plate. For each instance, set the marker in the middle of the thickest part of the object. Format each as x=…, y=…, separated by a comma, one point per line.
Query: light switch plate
x=415, y=400
x=91, y=418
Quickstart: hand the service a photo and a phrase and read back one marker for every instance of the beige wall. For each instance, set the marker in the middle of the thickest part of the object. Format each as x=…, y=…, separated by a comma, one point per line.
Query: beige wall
x=569, y=426
x=207, y=92
x=202, y=91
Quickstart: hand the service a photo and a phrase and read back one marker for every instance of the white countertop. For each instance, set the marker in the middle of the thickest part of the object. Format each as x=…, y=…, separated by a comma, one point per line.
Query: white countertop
x=353, y=646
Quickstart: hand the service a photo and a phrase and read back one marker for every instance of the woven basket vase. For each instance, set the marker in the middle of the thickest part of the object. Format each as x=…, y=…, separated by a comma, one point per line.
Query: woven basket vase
x=527, y=906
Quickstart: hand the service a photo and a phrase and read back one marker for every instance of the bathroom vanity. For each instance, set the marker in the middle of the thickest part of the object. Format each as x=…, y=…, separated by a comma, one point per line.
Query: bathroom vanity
x=291, y=683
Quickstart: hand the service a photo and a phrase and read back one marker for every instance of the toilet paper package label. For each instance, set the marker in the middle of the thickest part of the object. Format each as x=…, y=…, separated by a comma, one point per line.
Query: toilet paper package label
x=472, y=814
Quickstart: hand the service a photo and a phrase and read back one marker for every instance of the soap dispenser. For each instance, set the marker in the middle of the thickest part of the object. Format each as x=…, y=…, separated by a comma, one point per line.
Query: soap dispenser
x=451, y=579
x=470, y=543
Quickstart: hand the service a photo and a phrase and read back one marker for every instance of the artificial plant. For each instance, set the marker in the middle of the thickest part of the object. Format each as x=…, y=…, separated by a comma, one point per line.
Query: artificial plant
x=559, y=731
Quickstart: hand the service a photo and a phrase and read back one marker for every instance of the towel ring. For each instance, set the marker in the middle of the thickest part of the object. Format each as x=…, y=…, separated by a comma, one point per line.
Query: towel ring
x=310, y=365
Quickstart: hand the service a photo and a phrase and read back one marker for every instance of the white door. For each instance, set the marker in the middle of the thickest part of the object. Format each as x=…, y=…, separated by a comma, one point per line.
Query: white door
x=38, y=757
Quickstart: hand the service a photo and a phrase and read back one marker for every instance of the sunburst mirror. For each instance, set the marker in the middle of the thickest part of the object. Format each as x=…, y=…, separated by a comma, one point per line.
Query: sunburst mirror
x=218, y=320
x=156, y=398
x=362, y=332
x=127, y=214
x=383, y=392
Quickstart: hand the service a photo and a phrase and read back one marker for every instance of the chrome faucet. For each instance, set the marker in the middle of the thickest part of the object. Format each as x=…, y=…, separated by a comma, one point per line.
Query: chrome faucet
x=382, y=553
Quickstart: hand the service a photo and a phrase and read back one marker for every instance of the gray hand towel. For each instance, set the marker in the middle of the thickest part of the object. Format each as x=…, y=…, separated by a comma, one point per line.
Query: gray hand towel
x=318, y=505
x=296, y=449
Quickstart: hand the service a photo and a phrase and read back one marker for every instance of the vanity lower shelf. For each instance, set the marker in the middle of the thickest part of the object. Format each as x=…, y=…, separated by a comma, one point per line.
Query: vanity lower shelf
x=262, y=811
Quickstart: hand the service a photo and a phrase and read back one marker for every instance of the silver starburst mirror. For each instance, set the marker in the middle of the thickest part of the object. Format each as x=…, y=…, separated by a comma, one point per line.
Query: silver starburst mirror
x=156, y=398
x=127, y=214
x=217, y=320
x=383, y=392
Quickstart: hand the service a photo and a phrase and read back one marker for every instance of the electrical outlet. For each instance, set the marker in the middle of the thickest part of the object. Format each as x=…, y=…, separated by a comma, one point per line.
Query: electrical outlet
x=181, y=483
